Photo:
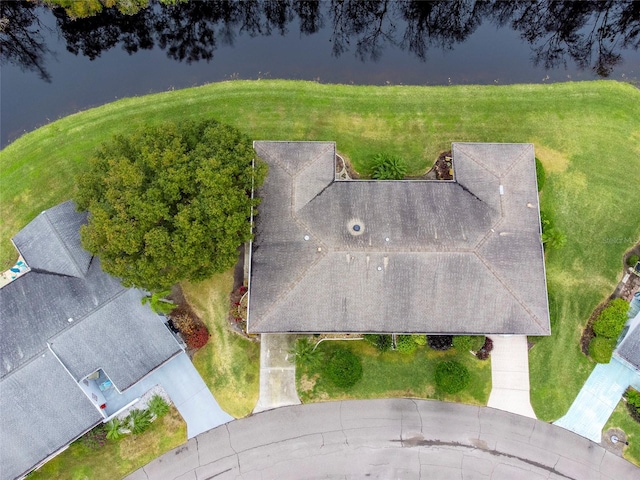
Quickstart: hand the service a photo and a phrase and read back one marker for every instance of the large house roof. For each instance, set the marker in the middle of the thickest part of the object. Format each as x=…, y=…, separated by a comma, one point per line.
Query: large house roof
x=629, y=348
x=62, y=320
x=461, y=256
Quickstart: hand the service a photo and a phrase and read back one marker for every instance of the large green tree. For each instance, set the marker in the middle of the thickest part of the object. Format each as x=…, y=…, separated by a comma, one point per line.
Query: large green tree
x=169, y=202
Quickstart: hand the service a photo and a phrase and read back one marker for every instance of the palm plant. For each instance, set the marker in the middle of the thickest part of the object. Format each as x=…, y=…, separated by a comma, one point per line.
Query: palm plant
x=114, y=429
x=158, y=303
x=388, y=167
x=138, y=420
x=158, y=406
x=304, y=352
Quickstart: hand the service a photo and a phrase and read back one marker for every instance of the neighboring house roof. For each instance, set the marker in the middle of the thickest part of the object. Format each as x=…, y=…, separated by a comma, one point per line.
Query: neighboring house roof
x=629, y=348
x=61, y=321
x=461, y=256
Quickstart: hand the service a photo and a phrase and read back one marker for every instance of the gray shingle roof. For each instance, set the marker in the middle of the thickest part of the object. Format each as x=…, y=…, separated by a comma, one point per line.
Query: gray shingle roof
x=51, y=241
x=42, y=407
x=629, y=348
x=429, y=257
x=41, y=410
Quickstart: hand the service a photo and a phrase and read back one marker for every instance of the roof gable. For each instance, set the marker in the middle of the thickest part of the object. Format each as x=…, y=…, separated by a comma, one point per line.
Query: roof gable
x=426, y=256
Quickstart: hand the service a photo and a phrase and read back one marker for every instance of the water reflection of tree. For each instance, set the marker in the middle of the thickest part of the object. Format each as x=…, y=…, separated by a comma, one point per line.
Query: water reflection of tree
x=590, y=33
x=21, y=40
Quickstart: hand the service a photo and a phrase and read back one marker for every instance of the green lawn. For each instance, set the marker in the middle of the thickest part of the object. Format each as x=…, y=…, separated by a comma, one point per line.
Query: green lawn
x=587, y=134
x=393, y=374
x=228, y=363
x=116, y=459
x=622, y=420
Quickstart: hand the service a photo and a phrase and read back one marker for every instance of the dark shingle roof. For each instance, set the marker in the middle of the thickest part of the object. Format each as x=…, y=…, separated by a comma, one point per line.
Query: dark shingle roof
x=629, y=348
x=429, y=256
x=42, y=408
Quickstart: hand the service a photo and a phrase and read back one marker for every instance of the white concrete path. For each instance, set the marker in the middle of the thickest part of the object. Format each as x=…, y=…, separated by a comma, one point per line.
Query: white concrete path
x=510, y=375
x=277, y=373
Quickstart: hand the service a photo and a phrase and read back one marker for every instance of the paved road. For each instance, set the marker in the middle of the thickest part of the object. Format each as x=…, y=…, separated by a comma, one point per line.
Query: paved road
x=392, y=438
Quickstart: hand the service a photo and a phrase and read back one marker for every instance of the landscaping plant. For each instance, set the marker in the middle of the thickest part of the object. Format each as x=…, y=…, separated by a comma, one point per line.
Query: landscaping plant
x=114, y=429
x=440, y=342
x=381, y=342
x=388, y=167
x=466, y=343
x=452, y=377
x=611, y=320
x=601, y=349
x=158, y=406
x=633, y=403
x=406, y=344
x=485, y=351
x=305, y=353
x=138, y=421
x=344, y=368
x=632, y=260
x=158, y=302
x=541, y=176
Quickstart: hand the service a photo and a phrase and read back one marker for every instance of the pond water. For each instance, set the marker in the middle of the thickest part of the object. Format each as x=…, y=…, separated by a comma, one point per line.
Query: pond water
x=53, y=66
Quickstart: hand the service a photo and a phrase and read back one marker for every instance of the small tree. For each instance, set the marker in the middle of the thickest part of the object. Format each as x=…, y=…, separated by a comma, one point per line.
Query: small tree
x=452, y=377
x=388, y=167
x=344, y=368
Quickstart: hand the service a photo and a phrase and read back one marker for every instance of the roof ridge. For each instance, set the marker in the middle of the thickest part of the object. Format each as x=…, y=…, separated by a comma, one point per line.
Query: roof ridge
x=274, y=160
x=64, y=245
x=475, y=160
x=307, y=164
x=486, y=263
x=519, y=158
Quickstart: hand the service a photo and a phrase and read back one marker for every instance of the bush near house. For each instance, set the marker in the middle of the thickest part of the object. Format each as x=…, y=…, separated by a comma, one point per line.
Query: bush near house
x=485, y=351
x=541, y=176
x=611, y=320
x=440, y=342
x=632, y=260
x=632, y=397
x=388, y=167
x=452, y=377
x=381, y=342
x=406, y=344
x=465, y=343
x=601, y=349
x=344, y=368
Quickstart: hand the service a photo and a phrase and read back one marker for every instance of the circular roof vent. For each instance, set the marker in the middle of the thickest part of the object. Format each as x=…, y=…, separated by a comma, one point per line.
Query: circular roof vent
x=355, y=227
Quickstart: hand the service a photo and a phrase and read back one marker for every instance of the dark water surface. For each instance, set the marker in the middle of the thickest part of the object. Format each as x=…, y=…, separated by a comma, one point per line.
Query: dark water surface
x=53, y=66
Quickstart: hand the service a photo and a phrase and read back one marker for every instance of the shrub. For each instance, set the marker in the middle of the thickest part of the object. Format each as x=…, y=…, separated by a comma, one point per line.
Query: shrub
x=198, y=338
x=611, y=320
x=114, y=429
x=440, y=342
x=344, y=368
x=601, y=349
x=633, y=403
x=158, y=406
x=406, y=344
x=541, y=176
x=485, y=351
x=388, y=167
x=304, y=353
x=138, y=421
x=465, y=343
x=420, y=339
x=381, y=342
x=94, y=438
x=632, y=260
x=452, y=377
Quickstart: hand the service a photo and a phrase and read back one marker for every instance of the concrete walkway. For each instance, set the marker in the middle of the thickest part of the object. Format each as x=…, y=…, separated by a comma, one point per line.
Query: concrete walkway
x=393, y=438
x=598, y=398
x=277, y=373
x=510, y=375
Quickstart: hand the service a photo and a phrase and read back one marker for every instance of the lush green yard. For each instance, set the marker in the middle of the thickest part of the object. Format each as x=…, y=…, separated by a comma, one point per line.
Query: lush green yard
x=229, y=364
x=622, y=420
x=587, y=134
x=116, y=459
x=393, y=374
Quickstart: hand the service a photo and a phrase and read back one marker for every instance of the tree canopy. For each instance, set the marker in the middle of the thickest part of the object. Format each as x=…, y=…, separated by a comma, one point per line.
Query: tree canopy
x=169, y=202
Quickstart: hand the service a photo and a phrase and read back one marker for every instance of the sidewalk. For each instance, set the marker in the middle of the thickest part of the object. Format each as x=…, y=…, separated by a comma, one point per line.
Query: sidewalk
x=277, y=373
x=510, y=375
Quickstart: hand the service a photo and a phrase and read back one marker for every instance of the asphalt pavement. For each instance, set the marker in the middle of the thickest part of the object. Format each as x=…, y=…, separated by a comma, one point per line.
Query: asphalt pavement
x=390, y=438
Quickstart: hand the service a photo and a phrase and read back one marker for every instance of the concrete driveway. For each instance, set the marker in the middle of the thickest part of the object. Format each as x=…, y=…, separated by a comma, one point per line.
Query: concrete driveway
x=510, y=375
x=188, y=392
x=394, y=438
x=277, y=372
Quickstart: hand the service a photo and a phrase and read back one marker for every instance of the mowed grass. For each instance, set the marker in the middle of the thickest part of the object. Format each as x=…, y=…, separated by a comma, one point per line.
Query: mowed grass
x=622, y=420
x=393, y=374
x=587, y=135
x=228, y=363
x=116, y=459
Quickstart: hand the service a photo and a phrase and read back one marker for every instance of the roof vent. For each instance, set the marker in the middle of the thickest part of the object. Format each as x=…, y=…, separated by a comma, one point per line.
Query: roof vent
x=69, y=320
x=356, y=228
x=306, y=237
